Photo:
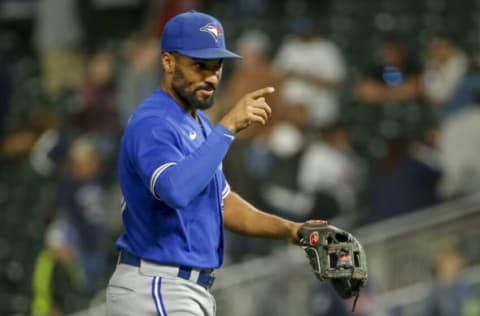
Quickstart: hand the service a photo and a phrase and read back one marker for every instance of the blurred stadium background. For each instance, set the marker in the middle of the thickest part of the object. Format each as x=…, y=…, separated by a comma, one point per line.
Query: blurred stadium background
x=377, y=128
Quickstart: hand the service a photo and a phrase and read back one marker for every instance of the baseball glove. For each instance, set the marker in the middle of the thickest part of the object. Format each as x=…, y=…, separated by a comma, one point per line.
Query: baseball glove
x=335, y=255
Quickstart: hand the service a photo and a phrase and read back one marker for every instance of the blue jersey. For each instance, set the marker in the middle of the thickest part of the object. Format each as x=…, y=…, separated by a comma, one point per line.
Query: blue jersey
x=172, y=184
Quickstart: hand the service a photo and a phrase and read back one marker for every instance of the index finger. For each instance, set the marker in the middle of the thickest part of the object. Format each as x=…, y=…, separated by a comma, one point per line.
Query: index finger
x=261, y=92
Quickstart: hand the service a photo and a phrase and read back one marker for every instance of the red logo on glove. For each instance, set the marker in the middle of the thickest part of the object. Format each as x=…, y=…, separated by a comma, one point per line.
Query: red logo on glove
x=314, y=237
x=344, y=258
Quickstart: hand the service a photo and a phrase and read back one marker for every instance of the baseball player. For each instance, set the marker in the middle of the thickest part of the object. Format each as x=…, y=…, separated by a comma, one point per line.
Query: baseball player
x=176, y=198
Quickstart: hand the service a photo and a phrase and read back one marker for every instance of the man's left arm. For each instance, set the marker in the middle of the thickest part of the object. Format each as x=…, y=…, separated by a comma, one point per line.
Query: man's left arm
x=316, y=237
x=243, y=218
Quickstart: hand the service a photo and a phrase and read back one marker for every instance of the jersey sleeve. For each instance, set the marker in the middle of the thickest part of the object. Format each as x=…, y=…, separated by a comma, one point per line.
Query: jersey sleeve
x=169, y=174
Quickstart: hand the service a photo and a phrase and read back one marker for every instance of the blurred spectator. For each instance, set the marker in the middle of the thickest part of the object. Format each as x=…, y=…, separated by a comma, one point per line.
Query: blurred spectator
x=59, y=39
x=328, y=172
x=313, y=69
x=50, y=150
x=459, y=151
x=92, y=113
x=400, y=181
x=57, y=280
x=279, y=189
x=388, y=97
x=140, y=73
x=449, y=290
x=449, y=85
x=97, y=113
x=253, y=160
x=394, y=79
x=81, y=203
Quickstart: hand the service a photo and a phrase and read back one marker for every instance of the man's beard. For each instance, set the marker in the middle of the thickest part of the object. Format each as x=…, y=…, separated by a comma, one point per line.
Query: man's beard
x=180, y=84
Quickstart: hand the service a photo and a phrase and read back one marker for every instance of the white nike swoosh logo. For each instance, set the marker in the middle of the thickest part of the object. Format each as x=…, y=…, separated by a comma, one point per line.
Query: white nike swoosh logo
x=192, y=135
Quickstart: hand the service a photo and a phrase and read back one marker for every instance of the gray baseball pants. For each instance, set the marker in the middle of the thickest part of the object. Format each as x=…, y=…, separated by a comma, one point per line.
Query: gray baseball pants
x=156, y=290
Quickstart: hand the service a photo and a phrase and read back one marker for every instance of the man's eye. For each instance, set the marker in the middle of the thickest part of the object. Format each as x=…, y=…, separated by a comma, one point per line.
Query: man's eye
x=206, y=66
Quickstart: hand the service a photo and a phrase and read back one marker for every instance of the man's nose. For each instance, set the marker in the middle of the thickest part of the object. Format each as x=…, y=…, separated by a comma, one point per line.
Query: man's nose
x=213, y=78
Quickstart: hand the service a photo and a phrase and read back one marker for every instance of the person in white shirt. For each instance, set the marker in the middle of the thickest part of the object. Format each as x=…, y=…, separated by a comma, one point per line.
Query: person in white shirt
x=313, y=68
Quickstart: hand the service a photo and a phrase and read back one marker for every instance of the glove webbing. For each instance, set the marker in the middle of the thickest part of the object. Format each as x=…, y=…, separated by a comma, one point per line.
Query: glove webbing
x=355, y=302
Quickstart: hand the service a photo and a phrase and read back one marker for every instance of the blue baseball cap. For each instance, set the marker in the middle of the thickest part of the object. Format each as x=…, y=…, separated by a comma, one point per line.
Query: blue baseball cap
x=196, y=35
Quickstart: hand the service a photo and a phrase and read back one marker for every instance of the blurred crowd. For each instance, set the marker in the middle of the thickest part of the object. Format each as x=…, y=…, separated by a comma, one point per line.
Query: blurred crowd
x=357, y=145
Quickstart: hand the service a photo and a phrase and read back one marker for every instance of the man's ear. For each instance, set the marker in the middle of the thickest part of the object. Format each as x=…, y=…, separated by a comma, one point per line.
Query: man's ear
x=168, y=62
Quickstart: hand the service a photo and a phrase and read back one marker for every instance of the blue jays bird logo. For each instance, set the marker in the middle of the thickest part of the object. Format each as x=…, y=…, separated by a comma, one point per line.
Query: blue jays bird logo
x=212, y=29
